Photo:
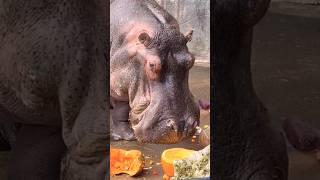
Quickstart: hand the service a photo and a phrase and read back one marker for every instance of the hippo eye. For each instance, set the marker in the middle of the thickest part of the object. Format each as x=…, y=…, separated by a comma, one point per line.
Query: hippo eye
x=144, y=38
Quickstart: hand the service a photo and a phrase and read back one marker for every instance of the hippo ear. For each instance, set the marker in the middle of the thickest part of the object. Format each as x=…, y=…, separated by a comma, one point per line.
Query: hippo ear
x=188, y=35
x=144, y=38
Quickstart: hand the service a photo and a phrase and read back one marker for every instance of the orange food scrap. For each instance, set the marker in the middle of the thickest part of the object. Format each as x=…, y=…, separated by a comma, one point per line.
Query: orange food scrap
x=169, y=155
x=166, y=177
x=154, y=173
x=128, y=162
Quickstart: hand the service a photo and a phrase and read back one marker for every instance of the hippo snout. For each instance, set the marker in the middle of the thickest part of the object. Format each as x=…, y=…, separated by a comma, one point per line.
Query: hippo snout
x=167, y=131
x=172, y=125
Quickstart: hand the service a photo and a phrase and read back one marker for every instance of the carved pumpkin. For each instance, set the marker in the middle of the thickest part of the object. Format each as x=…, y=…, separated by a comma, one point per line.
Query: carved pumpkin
x=129, y=162
x=169, y=155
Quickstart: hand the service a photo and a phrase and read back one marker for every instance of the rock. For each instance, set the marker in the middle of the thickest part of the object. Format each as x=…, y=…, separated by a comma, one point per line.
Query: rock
x=204, y=104
x=301, y=135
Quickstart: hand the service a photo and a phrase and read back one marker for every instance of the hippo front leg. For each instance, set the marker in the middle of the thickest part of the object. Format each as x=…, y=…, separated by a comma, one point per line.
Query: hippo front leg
x=120, y=124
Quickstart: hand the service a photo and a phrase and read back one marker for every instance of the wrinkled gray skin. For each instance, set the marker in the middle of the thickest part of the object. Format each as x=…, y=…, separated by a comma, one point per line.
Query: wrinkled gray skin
x=245, y=146
x=149, y=68
x=53, y=88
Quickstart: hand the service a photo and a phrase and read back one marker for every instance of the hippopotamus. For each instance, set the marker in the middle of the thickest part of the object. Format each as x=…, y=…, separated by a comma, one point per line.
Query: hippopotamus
x=149, y=68
x=53, y=88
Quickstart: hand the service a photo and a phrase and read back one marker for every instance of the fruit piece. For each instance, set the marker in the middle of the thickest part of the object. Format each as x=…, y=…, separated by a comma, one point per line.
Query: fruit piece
x=128, y=162
x=204, y=137
x=166, y=177
x=154, y=173
x=169, y=155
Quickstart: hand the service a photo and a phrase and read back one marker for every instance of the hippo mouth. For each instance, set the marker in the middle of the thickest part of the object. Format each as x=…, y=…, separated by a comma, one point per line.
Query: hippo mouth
x=163, y=131
x=161, y=134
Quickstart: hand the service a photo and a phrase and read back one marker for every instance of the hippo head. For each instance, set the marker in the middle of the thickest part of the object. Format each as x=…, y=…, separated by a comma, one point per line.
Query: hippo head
x=163, y=109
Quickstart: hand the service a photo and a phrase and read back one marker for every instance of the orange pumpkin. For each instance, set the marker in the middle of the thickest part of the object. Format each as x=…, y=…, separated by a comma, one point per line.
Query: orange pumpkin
x=169, y=155
x=165, y=177
x=129, y=162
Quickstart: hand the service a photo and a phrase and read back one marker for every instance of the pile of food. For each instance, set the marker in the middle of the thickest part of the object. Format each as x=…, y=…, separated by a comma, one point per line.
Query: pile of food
x=170, y=155
x=197, y=165
x=177, y=163
x=202, y=136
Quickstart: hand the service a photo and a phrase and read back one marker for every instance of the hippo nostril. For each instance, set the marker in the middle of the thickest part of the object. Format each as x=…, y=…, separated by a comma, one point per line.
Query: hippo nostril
x=181, y=126
x=170, y=123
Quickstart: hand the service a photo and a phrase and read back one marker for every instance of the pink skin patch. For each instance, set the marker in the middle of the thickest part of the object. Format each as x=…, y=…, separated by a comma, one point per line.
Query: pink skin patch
x=115, y=91
x=152, y=63
x=134, y=47
x=152, y=67
x=134, y=29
